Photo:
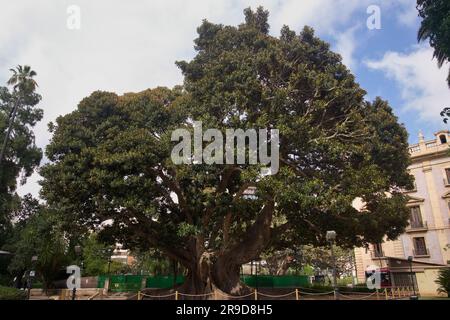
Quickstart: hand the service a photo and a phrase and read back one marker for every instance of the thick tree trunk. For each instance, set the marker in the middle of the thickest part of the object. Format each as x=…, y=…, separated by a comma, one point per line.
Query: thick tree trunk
x=217, y=277
x=218, y=272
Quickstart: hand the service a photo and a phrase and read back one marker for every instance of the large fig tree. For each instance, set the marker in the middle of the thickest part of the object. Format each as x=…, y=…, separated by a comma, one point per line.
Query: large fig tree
x=111, y=158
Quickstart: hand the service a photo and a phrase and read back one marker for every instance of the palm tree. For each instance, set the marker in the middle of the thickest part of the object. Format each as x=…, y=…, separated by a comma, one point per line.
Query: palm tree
x=435, y=15
x=22, y=82
x=22, y=78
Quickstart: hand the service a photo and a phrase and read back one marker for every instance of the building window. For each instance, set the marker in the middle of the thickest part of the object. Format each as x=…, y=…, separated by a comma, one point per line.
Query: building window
x=447, y=175
x=443, y=139
x=415, y=220
x=420, y=248
x=378, y=250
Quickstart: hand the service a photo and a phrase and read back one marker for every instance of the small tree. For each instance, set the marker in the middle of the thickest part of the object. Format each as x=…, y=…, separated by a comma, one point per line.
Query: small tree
x=444, y=281
x=96, y=256
x=41, y=236
x=321, y=259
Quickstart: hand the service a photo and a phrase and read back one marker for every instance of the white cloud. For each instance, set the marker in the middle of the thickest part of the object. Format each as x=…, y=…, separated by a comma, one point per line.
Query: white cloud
x=422, y=85
x=407, y=14
x=346, y=46
x=130, y=46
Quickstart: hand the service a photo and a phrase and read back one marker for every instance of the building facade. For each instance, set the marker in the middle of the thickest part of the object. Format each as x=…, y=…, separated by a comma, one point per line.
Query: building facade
x=427, y=238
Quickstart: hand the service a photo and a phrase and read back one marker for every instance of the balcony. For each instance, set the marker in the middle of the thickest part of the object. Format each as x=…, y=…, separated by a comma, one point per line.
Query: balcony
x=421, y=253
x=417, y=226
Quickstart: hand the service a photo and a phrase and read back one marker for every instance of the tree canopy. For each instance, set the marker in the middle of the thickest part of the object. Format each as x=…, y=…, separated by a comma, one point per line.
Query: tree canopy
x=110, y=158
x=38, y=235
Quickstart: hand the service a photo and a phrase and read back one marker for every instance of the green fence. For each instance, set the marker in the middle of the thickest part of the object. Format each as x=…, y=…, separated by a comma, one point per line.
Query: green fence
x=135, y=283
x=262, y=281
x=121, y=283
x=163, y=282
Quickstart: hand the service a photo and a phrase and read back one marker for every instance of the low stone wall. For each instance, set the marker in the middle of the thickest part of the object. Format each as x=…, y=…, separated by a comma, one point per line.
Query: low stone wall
x=86, y=282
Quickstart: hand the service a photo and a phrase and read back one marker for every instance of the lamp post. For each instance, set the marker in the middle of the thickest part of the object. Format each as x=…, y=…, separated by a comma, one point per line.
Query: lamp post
x=414, y=296
x=109, y=265
x=31, y=274
x=331, y=237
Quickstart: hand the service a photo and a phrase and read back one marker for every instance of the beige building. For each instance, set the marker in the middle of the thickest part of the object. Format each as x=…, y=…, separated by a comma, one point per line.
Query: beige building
x=427, y=239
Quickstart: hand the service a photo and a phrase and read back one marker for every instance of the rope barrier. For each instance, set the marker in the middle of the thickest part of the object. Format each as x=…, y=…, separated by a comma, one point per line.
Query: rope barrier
x=236, y=297
x=152, y=296
x=359, y=298
x=348, y=295
x=277, y=296
x=196, y=295
x=317, y=294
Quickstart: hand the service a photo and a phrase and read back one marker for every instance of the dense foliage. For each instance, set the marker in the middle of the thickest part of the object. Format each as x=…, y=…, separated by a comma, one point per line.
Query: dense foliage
x=110, y=158
x=443, y=281
x=7, y=293
x=18, y=115
x=40, y=235
x=435, y=28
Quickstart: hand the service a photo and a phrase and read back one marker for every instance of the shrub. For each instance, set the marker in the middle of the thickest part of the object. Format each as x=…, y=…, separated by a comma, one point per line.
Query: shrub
x=7, y=293
x=444, y=282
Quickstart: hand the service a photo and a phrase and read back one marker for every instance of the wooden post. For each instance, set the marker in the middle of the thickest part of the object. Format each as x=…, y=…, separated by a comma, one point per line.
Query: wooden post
x=378, y=298
x=176, y=295
x=256, y=294
x=139, y=295
x=398, y=292
x=392, y=293
x=386, y=294
x=296, y=294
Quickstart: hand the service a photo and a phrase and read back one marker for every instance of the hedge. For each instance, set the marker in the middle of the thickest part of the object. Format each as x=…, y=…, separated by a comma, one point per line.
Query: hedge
x=7, y=293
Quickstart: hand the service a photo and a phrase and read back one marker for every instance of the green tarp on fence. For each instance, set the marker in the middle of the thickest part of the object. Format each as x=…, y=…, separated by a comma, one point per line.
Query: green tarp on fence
x=135, y=283
x=275, y=281
x=162, y=282
x=121, y=283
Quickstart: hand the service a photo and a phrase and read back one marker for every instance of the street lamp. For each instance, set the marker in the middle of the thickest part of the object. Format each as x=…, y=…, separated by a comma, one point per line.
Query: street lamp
x=78, y=253
x=331, y=237
x=414, y=296
x=31, y=274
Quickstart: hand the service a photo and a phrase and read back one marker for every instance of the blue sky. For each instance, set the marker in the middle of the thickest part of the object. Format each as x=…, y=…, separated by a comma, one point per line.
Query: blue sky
x=125, y=46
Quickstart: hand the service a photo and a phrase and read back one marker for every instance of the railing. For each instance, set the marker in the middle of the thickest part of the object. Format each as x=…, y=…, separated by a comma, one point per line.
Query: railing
x=431, y=144
x=414, y=149
x=421, y=253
